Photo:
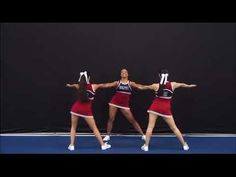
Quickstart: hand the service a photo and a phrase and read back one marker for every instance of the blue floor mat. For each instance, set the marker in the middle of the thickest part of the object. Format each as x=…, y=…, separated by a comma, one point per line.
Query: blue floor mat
x=120, y=145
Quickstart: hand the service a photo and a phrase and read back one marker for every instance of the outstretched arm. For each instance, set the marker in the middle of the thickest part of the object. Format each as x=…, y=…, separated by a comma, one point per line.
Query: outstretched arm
x=135, y=85
x=148, y=87
x=76, y=86
x=105, y=85
x=183, y=85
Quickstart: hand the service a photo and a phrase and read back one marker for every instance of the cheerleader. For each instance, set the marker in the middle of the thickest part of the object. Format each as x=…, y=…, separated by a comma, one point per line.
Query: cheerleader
x=161, y=106
x=83, y=108
x=121, y=101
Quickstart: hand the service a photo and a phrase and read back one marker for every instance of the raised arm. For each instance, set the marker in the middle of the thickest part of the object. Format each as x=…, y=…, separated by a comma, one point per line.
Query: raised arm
x=182, y=85
x=75, y=86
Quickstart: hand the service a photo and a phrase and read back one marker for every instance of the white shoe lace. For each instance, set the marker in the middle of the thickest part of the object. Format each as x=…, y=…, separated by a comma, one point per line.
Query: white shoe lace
x=185, y=147
x=106, y=138
x=106, y=146
x=71, y=147
x=144, y=148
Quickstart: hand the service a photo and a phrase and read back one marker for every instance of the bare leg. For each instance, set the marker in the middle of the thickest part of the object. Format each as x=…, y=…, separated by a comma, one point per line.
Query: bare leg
x=171, y=123
x=151, y=125
x=74, y=123
x=129, y=116
x=112, y=114
x=93, y=127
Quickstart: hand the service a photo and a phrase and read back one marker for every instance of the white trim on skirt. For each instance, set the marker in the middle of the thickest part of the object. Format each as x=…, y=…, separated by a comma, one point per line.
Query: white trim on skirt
x=126, y=108
x=159, y=114
x=81, y=115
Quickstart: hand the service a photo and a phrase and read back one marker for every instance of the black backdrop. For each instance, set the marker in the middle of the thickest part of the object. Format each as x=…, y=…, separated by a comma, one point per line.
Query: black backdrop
x=38, y=59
